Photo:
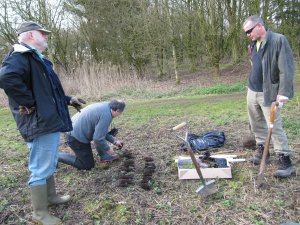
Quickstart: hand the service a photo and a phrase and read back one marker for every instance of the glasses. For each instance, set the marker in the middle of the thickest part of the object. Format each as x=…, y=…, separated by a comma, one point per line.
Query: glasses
x=250, y=30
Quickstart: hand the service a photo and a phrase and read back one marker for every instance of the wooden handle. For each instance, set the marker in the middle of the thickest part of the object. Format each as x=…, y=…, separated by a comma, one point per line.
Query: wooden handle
x=194, y=160
x=262, y=167
x=179, y=126
x=273, y=112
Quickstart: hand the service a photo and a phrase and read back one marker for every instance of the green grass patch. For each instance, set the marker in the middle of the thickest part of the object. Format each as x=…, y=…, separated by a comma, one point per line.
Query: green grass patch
x=7, y=121
x=216, y=89
x=217, y=111
x=108, y=210
x=191, y=90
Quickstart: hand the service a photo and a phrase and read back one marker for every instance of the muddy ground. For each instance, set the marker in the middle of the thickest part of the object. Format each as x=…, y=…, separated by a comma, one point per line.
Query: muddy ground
x=98, y=196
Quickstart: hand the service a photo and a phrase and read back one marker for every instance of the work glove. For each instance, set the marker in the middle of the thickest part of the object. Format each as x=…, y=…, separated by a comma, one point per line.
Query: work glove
x=23, y=110
x=77, y=103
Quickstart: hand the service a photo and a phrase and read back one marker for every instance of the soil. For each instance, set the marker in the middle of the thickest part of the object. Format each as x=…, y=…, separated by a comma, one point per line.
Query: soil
x=143, y=187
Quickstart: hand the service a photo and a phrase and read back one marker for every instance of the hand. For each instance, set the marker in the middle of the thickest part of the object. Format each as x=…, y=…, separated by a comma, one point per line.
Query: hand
x=23, y=110
x=111, y=152
x=281, y=100
x=119, y=144
x=77, y=103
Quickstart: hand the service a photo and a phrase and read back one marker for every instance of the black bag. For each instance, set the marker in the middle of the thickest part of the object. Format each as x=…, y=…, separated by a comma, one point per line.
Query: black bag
x=211, y=139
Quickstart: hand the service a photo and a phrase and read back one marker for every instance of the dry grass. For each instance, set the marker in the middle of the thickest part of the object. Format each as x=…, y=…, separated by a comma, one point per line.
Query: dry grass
x=103, y=81
x=96, y=80
x=3, y=98
x=93, y=81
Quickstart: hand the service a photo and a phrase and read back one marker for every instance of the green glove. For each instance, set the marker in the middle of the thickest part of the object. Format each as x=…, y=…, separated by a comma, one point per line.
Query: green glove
x=77, y=103
x=23, y=110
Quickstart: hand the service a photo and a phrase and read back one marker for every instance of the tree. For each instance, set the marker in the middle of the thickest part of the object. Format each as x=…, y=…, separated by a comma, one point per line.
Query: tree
x=41, y=11
x=212, y=20
x=286, y=13
x=234, y=12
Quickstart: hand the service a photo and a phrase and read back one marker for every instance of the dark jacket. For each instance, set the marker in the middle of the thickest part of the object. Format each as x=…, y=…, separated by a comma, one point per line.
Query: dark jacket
x=278, y=67
x=27, y=82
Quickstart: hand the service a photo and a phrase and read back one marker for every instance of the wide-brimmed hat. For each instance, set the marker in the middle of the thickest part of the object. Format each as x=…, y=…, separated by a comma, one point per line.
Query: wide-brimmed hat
x=28, y=26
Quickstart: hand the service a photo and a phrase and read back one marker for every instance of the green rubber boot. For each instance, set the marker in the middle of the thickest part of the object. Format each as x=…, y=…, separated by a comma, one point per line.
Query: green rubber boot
x=40, y=206
x=53, y=198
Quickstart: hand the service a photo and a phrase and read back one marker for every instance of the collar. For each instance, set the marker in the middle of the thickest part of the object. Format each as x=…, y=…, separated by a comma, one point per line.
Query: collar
x=20, y=48
x=265, y=40
x=34, y=49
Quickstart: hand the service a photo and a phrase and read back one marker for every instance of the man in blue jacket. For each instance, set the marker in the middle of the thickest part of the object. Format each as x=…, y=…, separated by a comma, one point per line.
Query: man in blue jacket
x=40, y=108
x=271, y=79
x=92, y=124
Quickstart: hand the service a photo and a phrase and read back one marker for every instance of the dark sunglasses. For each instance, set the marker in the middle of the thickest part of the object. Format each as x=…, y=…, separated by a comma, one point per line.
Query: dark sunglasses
x=250, y=30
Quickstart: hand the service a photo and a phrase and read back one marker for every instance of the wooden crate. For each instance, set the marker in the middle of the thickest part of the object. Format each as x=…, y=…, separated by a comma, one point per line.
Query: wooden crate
x=191, y=173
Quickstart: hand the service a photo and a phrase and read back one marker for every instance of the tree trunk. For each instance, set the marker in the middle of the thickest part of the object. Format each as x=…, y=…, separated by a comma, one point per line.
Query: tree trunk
x=175, y=64
x=169, y=14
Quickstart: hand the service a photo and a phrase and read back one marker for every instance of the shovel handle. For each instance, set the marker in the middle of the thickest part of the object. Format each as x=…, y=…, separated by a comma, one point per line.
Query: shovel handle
x=273, y=112
x=267, y=144
x=190, y=151
x=194, y=160
x=179, y=126
x=262, y=167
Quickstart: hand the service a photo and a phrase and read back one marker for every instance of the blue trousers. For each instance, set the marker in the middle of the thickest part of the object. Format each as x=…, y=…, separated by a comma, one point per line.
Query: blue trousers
x=43, y=158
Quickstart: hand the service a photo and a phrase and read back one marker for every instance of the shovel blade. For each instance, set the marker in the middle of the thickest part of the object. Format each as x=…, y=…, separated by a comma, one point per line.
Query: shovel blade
x=260, y=180
x=208, y=189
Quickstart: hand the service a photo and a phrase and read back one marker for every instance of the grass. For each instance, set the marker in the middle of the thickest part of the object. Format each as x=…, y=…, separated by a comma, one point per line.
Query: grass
x=145, y=129
x=185, y=91
x=213, y=108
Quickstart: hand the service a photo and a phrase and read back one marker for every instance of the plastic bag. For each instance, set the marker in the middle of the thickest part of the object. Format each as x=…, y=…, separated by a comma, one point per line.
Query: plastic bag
x=211, y=139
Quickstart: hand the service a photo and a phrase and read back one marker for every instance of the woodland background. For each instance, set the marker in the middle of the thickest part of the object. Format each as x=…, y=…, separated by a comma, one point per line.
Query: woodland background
x=171, y=61
x=139, y=39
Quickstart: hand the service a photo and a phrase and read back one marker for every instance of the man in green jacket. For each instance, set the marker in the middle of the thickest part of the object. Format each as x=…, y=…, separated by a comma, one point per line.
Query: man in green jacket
x=271, y=79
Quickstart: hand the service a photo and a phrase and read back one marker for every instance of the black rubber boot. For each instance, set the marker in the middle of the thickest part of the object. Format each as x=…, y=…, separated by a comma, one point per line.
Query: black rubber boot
x=74, y=161
x=258, y=155
x=285, y=167
x=67, y=158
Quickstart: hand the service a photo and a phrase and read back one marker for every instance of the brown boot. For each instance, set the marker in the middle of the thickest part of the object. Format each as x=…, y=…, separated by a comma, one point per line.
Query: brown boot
x=258, y=155
x=40, y=206
x=53, y=198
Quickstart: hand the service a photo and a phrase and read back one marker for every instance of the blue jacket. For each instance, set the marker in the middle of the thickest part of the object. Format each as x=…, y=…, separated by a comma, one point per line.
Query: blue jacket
x=30, y=81
x=92, y=124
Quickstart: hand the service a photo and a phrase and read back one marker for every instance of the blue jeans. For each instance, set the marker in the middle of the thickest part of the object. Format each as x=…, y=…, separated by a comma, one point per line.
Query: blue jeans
x=43, y=158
